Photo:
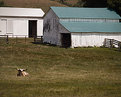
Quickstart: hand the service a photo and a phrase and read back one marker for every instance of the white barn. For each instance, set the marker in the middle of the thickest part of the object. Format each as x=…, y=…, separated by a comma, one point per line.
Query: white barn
x=21, y=22
x=80, y=27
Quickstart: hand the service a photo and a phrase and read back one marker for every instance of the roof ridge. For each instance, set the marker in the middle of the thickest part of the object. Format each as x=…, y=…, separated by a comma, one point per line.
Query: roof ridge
x=78, y=7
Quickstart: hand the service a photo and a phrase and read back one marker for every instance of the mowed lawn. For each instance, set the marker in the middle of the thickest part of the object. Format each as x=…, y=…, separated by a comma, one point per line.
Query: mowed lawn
x=59, y=72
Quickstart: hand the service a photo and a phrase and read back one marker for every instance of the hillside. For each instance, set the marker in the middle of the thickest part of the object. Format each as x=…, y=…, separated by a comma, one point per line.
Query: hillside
x=68, y=2
x=44, y=4
x=72, y=1
x=58, y=72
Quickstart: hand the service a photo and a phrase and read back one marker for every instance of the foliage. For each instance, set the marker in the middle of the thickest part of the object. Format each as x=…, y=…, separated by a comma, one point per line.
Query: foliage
x=112, y=4
x=1, y=3
x=80, y=3
x=62, y=1
x=59, y=72
x=115, y=4
x=94, y=3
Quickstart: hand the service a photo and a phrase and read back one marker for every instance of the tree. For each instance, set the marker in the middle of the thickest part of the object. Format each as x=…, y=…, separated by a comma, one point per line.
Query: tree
x=115, y=4
x=80, y=3
x=95, y=3
x=112, y=4
x=1, y=3
x=62, y=1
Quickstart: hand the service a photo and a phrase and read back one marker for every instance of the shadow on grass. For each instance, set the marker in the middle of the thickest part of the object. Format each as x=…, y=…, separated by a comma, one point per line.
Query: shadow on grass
x=45, y=44
x=48, y=44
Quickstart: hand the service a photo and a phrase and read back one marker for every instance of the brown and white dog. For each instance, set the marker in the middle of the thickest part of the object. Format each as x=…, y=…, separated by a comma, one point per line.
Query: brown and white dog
x=22, y=72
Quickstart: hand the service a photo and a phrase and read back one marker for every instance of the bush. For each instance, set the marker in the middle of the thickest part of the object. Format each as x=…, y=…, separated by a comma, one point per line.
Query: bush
x=1, y=3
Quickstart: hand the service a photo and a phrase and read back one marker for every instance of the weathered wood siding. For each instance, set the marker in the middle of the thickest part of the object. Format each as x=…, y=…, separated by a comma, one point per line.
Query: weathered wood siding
x=51, y=28
x=92, y=39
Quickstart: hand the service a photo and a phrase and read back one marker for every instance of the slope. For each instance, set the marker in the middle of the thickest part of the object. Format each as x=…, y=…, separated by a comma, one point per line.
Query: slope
x=44, y=4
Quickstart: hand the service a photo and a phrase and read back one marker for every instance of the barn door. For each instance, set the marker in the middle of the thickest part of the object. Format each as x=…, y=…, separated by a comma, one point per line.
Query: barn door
x=32, y=28
x=66, y=40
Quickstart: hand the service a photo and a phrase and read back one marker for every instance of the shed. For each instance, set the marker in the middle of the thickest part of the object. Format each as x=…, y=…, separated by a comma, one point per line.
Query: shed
x=21, y=22
x=81, y=27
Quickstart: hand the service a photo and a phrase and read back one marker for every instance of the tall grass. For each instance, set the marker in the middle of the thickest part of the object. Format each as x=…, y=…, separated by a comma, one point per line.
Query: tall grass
x=59, y=72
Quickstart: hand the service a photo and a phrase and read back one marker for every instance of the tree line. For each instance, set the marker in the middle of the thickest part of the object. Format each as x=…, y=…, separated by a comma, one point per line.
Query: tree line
x=1, y=3
x=112, y=4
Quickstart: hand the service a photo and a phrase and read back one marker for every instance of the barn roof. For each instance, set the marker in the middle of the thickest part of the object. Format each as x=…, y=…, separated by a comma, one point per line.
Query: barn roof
x=74, y=12
x=91, y=27
x=21, y=12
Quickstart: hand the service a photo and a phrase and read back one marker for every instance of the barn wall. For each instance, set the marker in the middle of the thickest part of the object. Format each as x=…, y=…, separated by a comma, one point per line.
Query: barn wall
x=62, y=29
x=92, y=39
x=89, y=20
x=19, y=26
x=51, y=28
x=40, y=27
x=3, y=25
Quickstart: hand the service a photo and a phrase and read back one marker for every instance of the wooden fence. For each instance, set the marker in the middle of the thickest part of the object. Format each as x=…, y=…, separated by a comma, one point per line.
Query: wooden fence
x=4, y=38
x=38, y=39
x=111, y=43
x=16, y=39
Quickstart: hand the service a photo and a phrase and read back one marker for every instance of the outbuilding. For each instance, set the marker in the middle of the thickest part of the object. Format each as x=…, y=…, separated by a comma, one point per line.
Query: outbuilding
x=21, y=22
x=81, y=27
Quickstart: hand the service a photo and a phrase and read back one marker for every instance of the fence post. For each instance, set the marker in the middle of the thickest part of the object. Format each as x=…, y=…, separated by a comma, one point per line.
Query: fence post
x=25, y=39
x=105, y=42
x=7, y=39
x=111, y=43
x=41, y=39
x=119, y=46
x=34, y=38
x=16, y=39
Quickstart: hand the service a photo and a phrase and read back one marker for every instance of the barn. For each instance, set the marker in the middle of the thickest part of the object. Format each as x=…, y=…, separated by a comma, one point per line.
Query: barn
x=21, y=22
x=80, y=27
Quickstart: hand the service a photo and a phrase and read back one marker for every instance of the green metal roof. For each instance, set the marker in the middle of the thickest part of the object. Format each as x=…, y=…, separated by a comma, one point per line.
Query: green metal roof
x=91, y=26
x=74, y=12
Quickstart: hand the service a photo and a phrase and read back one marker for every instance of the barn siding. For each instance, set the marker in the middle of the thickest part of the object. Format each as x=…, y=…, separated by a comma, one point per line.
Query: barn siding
x=39, y=27
x=51, y=28
x=19, y=26
x=92, y=39
x=3, y=25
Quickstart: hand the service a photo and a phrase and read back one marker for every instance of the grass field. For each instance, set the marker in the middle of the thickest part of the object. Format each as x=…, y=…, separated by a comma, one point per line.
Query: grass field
x=59, y=72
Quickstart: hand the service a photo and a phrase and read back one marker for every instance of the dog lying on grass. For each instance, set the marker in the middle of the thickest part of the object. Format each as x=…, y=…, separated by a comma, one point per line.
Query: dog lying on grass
x=22, y=72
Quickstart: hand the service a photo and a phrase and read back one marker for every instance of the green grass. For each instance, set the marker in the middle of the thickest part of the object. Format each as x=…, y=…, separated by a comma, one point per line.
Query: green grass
x=59, y=72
